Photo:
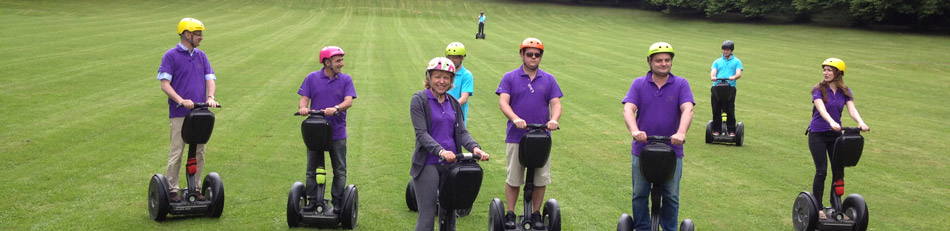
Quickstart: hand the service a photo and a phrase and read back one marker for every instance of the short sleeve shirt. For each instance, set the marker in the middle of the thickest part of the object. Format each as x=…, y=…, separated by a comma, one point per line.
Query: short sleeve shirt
x=726, y=68
x=464, y=82
x=188, y=72
x=481, y=19
x=834, y=106
x=443, y=126
x=658, y=109
x=325, y=92
x=529, y=98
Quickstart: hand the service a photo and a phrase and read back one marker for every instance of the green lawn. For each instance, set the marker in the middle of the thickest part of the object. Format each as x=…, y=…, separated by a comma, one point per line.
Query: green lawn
x=83, y=123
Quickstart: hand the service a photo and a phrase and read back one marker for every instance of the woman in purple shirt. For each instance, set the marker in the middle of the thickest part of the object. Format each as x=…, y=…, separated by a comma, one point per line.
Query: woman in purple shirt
x=437, y=120
x=829, y=96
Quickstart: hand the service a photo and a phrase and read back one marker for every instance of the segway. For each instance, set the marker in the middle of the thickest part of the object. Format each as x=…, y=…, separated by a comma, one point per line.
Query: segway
x=481, y=31
x=459, y=212
x=852, y=214
x=317, y=135
x=723, y=91
x=459, y=188
x=657, y=165
x=195, y=130
x=534, y=150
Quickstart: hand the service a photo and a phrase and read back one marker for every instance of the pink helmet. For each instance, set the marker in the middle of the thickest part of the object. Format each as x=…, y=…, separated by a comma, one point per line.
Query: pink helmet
x=330, y=51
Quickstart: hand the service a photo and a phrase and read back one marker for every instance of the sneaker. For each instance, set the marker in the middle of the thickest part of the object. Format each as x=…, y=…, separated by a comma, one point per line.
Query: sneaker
x=310, y=207
x=732, y=134
x=174, y=198
x=821, y=215
x=200, y=197
x=536, y=221
x=715, y=133
x=510, y=220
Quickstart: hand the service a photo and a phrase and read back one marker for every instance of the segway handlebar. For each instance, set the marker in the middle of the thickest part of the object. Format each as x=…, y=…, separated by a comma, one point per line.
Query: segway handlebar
x=658, y=138
x=541, y=126
x=312, y=112
x=199, y=105
x=464, y=156
x=852, y=129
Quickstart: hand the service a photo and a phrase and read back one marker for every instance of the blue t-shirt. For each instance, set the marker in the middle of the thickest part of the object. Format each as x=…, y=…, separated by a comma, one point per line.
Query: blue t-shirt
x=726, y=68
x=464, y=82
x=481, y=19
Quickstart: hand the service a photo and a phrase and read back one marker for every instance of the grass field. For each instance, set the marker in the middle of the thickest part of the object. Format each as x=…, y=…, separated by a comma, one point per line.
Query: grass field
x=83, y=123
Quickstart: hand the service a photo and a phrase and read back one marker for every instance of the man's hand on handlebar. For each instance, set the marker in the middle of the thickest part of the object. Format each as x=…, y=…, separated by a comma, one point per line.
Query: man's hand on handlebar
x=187, y=103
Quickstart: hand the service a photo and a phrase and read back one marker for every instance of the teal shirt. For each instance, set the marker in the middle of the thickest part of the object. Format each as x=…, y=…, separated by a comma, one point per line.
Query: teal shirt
x=726, y=68
x=464, y=82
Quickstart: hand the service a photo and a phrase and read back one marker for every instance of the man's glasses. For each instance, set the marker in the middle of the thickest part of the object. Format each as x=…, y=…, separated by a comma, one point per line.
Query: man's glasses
x=535, y=55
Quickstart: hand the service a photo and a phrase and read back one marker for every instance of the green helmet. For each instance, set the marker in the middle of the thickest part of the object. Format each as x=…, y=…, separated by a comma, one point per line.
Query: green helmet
x=455, y=48
x=660, y=47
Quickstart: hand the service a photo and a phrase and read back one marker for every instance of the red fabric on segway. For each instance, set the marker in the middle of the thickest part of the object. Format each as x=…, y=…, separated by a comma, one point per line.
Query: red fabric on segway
x=839, y=187
x=192, y=166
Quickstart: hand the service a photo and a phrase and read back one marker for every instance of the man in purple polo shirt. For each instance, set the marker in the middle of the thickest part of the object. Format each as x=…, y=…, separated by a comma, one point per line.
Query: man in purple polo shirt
x=331, y=91
x=659, y=104
x=186, y=77
x=525, y=94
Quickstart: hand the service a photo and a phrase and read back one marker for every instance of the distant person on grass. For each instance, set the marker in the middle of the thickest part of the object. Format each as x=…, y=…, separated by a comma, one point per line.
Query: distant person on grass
x=464, y=86
x=728, y=68
x=439, y=136
x=527, y=94
x=187, y=78
x=658, y=104
x=332, y=91
x=481, y=23
x=829, y=97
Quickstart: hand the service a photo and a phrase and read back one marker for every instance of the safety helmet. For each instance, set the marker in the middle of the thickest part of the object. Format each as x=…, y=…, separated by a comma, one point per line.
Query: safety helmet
x=455, y=48
x=330, y=51
x=190, y=24
x=660, y=47
x=728, y=44
x=834, y=62
x=442, y=64
x=532, y=43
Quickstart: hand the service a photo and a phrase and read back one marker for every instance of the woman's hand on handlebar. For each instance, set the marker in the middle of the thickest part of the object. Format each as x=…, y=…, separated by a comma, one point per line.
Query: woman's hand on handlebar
x=447, y=155
x=553, y=125
x=835, y=126
x=864, y=127
x=483, y=154
x=678, y=139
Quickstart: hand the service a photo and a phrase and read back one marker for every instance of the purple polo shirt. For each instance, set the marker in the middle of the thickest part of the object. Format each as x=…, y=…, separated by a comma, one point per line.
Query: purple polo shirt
x=443, y=126
x=834, y=106
x=188, y=76
x=529, y=98
x=325, y=92
x=658, y=109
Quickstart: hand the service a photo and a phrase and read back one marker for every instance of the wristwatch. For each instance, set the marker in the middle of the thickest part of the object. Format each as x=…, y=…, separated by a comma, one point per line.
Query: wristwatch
x=337, y=107
x=211, y=96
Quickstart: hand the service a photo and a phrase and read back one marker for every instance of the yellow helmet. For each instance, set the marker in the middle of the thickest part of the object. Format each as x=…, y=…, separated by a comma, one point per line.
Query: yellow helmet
x=660, y=47
x=189, y=24
x=834, y=62
x=455, y=48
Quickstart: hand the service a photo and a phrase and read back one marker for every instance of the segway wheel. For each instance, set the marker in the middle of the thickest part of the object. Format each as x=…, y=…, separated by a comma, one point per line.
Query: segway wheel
x=855, y=207
x=463, y=212
x=157, y=198
x=411, y=197
x=213, y=189
x=351, y=202
x=551, y=215
x=709, y=135
x=295, y=202
x=625, y=223
x=740, y=133
x=686, y=225
x=805, y=212
x=496, y=215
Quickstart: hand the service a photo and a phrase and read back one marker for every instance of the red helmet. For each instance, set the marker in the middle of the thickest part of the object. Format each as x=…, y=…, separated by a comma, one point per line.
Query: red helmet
x=532, y=43
x=330, y=51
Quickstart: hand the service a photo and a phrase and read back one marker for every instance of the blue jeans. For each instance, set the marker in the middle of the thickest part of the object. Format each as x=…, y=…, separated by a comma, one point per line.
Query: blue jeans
x=641, y=198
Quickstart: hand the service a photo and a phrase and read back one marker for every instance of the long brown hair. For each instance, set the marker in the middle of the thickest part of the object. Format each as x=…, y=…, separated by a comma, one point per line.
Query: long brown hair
x=839, y=83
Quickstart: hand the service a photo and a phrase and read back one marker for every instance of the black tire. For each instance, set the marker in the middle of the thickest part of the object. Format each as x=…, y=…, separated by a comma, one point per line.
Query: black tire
x=496, y=215
x=687, y=225
x=350, y=211
x=551, y=215
x=295, y=202
x=709, y=135
x=411, y=197
x=625, y=223
x=855, y=207
x=213, y=188
x=158, y=198
x=805, y=212
x=740, y=133
x=463, y=212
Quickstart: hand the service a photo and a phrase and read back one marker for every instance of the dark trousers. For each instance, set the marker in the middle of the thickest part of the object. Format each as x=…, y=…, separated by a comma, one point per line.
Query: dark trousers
x=821, y=145
x=427, y=193
x=481, y=27
x=338, y=160
x=720, y=106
